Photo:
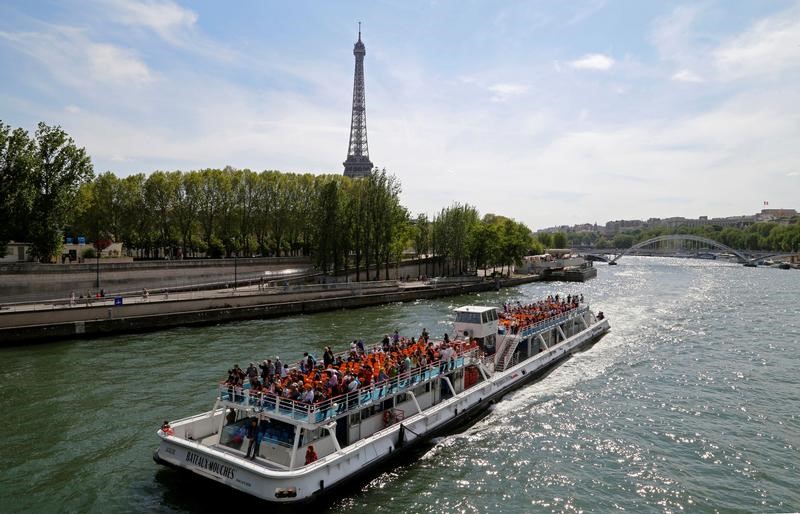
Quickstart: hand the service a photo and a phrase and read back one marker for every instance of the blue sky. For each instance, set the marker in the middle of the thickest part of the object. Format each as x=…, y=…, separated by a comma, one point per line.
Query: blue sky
x=549, y=112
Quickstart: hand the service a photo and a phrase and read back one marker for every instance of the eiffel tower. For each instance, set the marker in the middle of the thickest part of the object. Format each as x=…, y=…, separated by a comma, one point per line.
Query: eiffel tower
x=358, y=164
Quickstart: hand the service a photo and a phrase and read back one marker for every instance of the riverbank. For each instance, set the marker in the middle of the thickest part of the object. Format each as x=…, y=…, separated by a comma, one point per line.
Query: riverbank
x=212, y=307
x=24, y=282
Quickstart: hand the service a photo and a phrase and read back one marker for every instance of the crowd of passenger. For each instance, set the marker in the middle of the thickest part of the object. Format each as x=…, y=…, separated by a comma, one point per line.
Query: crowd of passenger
x=518, y=315
x=314, y=380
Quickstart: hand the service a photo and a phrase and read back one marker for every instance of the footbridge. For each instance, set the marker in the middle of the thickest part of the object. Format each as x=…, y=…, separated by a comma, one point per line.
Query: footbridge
x=683, y=237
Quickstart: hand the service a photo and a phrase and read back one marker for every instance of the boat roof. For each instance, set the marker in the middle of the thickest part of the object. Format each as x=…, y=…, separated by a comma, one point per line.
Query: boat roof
x=475, y=308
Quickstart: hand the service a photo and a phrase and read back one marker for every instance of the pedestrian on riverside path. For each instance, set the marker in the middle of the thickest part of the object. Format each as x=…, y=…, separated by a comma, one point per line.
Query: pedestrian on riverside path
x=72, y=299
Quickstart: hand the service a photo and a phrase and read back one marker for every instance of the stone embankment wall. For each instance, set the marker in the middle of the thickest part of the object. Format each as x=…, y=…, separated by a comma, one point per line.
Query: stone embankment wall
x=96, y=321
x=22, y=282
x=27, y=281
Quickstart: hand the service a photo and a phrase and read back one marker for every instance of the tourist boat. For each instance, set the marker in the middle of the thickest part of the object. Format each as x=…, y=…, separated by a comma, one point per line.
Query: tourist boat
x=495, y=352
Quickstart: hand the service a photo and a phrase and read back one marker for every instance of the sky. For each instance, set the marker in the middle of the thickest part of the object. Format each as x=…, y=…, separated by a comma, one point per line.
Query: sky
x=548, y=112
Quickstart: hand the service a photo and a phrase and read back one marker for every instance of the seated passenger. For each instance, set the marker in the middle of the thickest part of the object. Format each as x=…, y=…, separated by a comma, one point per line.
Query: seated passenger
x=167, y=429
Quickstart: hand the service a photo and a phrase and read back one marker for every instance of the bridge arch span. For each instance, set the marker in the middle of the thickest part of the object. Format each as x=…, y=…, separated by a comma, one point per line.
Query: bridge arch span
x=681, y=237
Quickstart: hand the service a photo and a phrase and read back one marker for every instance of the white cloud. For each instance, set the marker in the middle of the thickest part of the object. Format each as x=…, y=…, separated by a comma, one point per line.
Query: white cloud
x=72, y=109
x=593, y=62
x=173, y=23
x=504, y=91
x=686, y=76
x=769, y=47
x=165, y=18
x=69, y=55
x=117, y=64
x=673, y=36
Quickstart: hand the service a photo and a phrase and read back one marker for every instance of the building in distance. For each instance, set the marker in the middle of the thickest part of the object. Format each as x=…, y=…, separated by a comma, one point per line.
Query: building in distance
x=619, y=226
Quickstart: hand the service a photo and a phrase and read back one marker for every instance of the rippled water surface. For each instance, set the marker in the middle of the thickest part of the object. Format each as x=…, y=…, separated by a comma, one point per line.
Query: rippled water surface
x=691, y=403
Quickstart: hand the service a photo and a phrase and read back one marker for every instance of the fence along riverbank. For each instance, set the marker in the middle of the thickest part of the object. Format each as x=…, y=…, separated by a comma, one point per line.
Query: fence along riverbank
x=159, y=313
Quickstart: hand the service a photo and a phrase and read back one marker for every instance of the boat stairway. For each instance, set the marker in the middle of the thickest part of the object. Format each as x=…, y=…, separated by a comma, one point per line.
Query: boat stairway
x=509, y=344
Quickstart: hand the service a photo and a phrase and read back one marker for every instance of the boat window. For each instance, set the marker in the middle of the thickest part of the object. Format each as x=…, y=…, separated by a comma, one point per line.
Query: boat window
x=402, y=397
x=468, y=317
x=272, y=430
x=313, y=435
x=355, y=418
x=494, y=314
x=369, y=411
x=484, y=317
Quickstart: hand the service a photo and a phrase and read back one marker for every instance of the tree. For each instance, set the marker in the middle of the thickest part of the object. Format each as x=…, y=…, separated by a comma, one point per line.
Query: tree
x=559, y=240
x=328, y=215
x=623, y=241
x=421, y=236
x=59, y=168
x=546, y=239
x=17, y=191
x=161, y=195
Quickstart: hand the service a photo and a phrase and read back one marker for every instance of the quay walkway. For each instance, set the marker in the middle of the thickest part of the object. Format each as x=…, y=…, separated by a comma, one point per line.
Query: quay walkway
x=45, y=321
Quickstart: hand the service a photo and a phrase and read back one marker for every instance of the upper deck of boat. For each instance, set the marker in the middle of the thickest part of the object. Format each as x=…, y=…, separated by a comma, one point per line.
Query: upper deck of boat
x=323, y=411
x=317, y=413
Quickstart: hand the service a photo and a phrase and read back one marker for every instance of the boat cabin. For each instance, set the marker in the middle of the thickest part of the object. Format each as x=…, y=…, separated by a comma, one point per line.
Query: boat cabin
x=479, y=324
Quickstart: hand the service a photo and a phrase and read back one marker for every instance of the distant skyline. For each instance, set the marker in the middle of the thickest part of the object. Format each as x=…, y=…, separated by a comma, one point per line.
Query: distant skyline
x=553, y=113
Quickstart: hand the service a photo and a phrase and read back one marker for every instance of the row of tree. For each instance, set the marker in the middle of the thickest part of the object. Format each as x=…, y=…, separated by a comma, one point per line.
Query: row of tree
x=49, y=191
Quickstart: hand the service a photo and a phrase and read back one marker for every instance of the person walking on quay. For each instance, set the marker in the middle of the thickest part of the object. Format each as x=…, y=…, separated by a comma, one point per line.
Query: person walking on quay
x=72, y=299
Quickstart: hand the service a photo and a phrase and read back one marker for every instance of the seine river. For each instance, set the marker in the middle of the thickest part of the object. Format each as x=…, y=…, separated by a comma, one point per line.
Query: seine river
x=691, y=403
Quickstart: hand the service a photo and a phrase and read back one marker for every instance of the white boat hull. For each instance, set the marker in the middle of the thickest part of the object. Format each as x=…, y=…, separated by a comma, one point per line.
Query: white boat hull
x=309, y=482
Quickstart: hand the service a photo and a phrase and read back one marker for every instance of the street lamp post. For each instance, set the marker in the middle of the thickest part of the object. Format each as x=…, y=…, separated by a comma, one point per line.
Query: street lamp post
x=97, y=270
x=235, y=269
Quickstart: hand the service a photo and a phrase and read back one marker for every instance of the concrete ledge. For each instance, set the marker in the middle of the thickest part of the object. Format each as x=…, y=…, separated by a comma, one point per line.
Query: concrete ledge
x=91, y=264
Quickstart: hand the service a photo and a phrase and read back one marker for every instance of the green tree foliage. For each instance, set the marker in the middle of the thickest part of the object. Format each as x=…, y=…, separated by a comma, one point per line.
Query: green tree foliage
x=17, y=191
x=40, y=181
x=466, y=242
x=623, y=241
x=546, y=239
x=767, y=236
x=559, y=240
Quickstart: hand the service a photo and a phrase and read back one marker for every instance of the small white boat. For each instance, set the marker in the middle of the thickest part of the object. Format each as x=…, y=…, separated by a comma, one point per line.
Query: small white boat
x=353, y=433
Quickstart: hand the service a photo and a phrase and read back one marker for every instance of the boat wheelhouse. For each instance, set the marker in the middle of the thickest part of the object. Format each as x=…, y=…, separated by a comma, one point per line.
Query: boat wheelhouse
x=493, y=353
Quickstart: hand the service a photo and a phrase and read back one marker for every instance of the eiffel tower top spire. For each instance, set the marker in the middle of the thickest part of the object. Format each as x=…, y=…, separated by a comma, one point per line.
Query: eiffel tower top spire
x=358, y=163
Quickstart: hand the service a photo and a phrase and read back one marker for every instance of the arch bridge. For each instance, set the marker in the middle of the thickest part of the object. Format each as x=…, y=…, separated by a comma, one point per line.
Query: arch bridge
x=683, y=237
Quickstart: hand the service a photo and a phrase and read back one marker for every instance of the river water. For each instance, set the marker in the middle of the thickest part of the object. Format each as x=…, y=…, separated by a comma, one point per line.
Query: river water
x=691, y=403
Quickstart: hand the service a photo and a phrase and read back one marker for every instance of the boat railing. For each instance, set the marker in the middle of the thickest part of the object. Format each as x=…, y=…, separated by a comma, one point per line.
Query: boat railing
x=346, y=403
x=551, y=322
x=507, y=356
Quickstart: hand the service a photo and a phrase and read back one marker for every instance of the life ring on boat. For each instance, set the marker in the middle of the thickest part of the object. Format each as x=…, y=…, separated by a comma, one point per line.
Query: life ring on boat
x=387, y=417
